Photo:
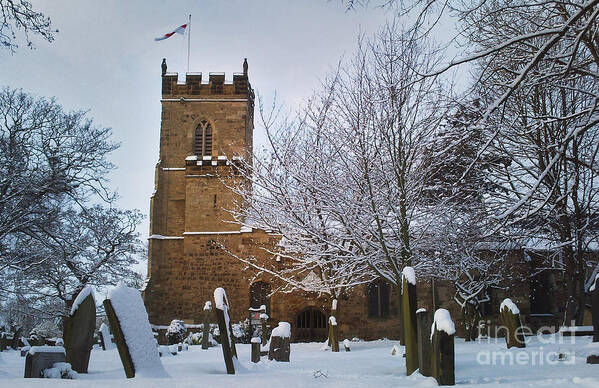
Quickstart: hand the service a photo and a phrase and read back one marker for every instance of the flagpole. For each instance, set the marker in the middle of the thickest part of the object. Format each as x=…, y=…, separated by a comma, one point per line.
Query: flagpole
x=188, y=41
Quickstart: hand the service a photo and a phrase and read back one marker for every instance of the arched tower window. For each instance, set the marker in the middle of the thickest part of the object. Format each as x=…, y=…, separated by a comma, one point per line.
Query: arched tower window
x=202, y=145
x=378, y=299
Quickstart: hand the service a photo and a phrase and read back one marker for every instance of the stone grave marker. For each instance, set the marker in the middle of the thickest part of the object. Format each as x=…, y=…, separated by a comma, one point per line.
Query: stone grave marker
x=510, y=318
x=78, y=332
x=594, y=290
x=279, y=342
x=333, y=328
x=131, y=328
x=408, y=313
x=423, y=319
x=227, y=343
x=256, y=341
x=105, y=337
x=206, y=328
x=443, y=357
x=42, y=357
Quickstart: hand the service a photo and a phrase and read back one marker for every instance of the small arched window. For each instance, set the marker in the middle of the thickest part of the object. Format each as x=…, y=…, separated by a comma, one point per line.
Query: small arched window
x=202, y=145
x=378, y=299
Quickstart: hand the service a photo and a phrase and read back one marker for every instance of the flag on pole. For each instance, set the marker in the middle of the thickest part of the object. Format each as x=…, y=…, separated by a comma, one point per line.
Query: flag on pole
x=178, y=30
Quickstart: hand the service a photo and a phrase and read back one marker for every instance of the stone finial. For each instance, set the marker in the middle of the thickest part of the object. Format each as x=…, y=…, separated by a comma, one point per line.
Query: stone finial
x=245, y=66
x=163, y=66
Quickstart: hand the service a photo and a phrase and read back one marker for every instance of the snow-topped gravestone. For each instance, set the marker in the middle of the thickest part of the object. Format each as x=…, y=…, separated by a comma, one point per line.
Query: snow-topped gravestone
x=279, y=342
x=443, y=353
x=42, y=357
x=408, y=315
x=78, y=331
x=594, y=290
x=206, y=327
x=128, y=319
x=105, y=337
x=221, y=305
x=510, y=319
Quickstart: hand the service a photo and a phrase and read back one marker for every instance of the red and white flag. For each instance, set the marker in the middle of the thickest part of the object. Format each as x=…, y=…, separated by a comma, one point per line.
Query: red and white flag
x=178, y=30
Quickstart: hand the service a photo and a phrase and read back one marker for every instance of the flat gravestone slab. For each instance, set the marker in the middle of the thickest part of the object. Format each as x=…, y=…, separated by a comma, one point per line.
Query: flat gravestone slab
x=42, y=357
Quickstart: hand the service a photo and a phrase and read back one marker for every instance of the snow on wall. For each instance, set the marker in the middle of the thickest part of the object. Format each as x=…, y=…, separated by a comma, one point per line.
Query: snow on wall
x=133, y=319
x=409, y=274
x=208, y=305
x=507, y=302
x=442, y=321
x=332, y=321
x=107, y=337
x=87, y=290
x=282, y=331
x=421, y=310
x=334, y=304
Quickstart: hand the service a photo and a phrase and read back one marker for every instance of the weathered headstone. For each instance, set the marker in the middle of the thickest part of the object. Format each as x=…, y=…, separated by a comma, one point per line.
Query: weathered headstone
x=333, y=328
x=279, y=342
x=221, y=305
x=105, y=337
x=423, y=319
x=256, y=349
x=206, y=328
x=594, y=290
x=78, y=333
x=16, y=336
x=42, y=357
x=132, y=332
x=3, y=341
x=510, y=318
x=347, y=345
x=408, y=314
x=443, y=357
x=263, y=320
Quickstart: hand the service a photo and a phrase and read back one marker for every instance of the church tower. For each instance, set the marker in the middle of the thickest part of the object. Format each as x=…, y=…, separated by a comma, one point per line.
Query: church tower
x=206, y=128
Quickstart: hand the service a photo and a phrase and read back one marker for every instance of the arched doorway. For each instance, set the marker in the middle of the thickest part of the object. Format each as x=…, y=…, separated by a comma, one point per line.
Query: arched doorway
x=310, y=326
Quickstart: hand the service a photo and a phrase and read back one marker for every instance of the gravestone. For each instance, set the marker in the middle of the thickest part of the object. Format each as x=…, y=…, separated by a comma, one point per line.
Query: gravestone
x=132, y=332
x=510, y=318
x=78, y=332
x=595, y=308
x=256, y=341
x=279, y=342
x=442, y=356
x=263, y=320
x=408, y=314
x=105, y=337
x=333, y=328
x=206, y=329
x=3, y=341
x=42, y=357
x=221, y=305
x=423, y=319
x=347, y=345
x=16, y=336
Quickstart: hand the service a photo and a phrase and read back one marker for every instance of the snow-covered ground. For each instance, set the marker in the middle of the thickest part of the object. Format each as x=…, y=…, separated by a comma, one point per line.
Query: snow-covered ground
x=369, y=364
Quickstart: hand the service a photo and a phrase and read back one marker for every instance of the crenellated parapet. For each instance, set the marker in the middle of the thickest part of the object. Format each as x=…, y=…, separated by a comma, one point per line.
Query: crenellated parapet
x=216, y=86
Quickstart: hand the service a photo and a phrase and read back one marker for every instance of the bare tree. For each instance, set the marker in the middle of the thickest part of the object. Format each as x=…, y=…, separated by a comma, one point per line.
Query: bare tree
x=19, y=16
x=93, y=246
x=47, y=156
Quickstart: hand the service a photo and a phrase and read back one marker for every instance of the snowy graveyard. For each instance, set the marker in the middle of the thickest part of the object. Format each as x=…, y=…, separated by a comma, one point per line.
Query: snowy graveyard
x=369, y=364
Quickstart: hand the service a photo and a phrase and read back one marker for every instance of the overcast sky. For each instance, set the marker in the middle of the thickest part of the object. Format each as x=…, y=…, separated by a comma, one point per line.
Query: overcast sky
x=105, y=60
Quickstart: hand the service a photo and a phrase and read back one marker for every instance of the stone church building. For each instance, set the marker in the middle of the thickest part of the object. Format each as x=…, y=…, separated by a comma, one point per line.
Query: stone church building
x=207, y=125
